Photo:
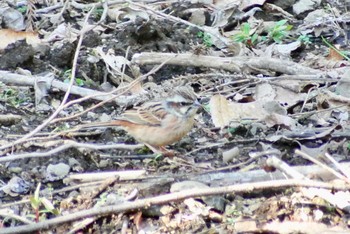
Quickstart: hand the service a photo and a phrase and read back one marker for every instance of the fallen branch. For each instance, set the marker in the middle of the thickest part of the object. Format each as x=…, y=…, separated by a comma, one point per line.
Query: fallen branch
x=226, y=178
x=163, y=199
x=233, y=64
x=9, y=78
x=322, y=165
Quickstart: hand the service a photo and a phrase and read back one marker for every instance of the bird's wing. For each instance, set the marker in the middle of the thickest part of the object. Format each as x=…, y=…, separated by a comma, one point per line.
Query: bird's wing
x=151, y=113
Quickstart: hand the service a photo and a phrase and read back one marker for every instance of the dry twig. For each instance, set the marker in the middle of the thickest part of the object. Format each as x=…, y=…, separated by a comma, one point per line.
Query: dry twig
x=67, y=145
x=163, y=199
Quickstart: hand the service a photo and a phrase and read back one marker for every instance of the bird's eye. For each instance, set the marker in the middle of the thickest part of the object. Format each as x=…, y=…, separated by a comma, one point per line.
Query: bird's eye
x=183, y=103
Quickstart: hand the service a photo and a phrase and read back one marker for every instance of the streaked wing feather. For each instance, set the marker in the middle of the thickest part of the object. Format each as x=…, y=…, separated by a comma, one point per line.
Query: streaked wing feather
x=150, y=113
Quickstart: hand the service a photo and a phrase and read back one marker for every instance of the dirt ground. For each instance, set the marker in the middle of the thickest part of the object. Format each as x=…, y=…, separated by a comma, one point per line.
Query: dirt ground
x=269, y=151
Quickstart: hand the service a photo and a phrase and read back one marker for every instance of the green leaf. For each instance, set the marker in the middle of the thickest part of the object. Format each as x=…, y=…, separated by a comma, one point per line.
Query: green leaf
x=245, y=28
x=48, y=205
x=22, y=9
x=79, y=82
x=35, y=200
x=200, y=34
x=37, y=191
x=254, y=38
x=35, y=203
x=281, y=22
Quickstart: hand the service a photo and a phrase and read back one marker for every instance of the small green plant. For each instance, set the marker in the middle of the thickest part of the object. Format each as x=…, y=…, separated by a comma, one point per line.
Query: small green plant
x=207, y=40
x=348, y=145
x=98, y=12
x=12, y=97
x=342, y=53
x=158, y=157
x=102, y=200
x=232, y=130
x=67, y=75
x=22, y=9
x=8, y=93
x=279, y=31
x=244, y=36
x=154, y=161
x=305, y=39
x=61, y=128
x=143, y=150
x=79, y=82
x=232, y=214
x=38, y=202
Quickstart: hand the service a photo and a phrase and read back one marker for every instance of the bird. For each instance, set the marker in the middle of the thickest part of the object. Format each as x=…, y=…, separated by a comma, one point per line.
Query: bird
x=159, y=123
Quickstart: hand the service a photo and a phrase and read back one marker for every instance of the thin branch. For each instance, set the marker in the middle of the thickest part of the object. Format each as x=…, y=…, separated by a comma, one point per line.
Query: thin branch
x=324, y=166
x=67, y=145
x=7, y=214
x=163, y=199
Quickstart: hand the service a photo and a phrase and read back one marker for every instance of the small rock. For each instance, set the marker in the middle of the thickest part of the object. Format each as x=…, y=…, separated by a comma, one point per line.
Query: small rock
x=217, y=202
x=16, y=186
x=113, y=199
x=305, y=5
x=15, y=170
x=228, y=155
x=105, y=118
x=57, y=171
x=91, y=115
x=103, y=163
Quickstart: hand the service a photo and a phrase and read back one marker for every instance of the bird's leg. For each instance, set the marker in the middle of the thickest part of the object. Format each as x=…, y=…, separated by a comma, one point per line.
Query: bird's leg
x=161, y=150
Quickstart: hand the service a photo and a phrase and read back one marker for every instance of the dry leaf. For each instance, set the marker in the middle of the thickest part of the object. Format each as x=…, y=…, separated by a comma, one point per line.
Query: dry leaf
x=284, y=50
x=320, y=62
x=220, y=110
x=280, y=120
x=334, y=55
x=126, y=14
x=223, y=111
x=62, y=32
x=249, y=3
x=250, y=110
x=224, y=4
x=114, y=63
x=285, y=93
x=196, y=207
x=264, y=91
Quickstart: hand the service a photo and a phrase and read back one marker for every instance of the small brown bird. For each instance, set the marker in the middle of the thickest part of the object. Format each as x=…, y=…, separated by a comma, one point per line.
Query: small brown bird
x=161, y=123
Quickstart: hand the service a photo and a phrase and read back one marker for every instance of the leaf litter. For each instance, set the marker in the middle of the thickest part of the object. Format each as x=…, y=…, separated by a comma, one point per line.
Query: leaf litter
x=272, y=79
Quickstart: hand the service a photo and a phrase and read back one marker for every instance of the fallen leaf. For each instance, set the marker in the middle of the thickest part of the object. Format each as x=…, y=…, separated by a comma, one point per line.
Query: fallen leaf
x=223, y=111
x=264, y=91
x=334, y=55
x=280, y=120
x=220, y=110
